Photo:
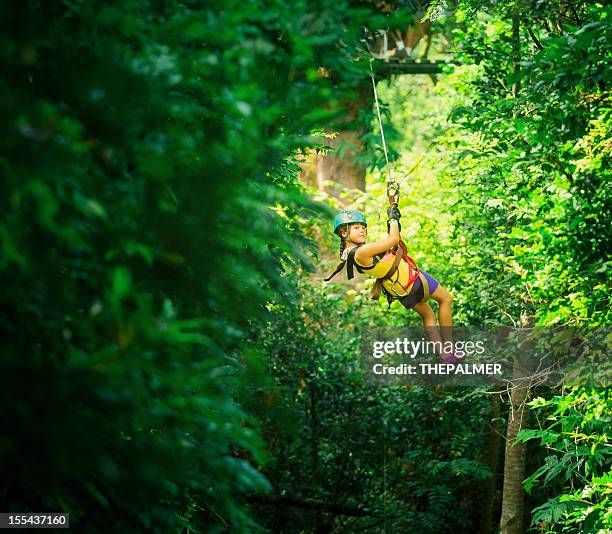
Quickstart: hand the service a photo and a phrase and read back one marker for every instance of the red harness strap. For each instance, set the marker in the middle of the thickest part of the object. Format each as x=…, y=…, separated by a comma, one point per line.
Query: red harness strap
x=412, y=266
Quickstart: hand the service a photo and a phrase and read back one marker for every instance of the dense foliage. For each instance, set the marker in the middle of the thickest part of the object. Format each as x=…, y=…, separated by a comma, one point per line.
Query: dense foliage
x=536, y=171
x=576, y=469
x=400, y=459
x=145, y=145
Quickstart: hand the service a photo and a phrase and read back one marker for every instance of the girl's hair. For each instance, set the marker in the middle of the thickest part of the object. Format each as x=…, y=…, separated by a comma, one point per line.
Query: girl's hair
x=342, y=228
x=342, y=246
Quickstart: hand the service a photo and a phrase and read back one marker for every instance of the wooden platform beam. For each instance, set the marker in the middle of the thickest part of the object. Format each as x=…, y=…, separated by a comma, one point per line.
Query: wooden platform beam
x=402, y=66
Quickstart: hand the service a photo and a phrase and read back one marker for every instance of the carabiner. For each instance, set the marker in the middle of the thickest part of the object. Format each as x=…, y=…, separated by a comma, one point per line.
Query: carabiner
x=393, y=192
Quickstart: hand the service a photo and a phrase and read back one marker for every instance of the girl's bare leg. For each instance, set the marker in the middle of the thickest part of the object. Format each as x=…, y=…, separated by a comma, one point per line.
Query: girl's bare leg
x=426, y=313
x=429, y=322
x=445, y=316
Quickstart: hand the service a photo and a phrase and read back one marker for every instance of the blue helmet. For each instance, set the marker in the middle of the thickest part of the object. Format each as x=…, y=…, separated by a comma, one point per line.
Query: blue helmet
x=349, y=217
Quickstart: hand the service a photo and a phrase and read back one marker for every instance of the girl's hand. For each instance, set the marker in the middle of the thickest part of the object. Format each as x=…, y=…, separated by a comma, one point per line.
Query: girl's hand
x=399, y=226
x=394, y=213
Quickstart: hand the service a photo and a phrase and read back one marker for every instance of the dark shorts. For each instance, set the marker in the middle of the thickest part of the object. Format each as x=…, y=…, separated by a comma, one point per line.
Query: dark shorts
x=417, y=292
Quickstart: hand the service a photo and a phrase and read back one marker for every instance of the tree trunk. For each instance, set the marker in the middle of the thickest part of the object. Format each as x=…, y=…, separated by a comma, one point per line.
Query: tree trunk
x=513, y=499
x=341, y=169
x=512, y=516
x=314, y=443
x=336, y=172
x=490, y=497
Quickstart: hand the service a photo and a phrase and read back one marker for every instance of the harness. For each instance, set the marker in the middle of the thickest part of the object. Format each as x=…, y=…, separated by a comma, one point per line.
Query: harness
x=378, y=288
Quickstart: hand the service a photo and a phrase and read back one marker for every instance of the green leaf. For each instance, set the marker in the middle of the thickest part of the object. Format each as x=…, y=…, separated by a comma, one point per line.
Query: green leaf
x=121, y=282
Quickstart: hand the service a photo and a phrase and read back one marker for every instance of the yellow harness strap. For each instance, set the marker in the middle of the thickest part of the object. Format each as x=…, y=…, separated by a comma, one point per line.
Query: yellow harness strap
x=375, y=293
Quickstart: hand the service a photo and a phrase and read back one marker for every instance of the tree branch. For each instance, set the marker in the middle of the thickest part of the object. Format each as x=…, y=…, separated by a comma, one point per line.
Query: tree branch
x=310, y=504
x=534, y=38
x=516, y=47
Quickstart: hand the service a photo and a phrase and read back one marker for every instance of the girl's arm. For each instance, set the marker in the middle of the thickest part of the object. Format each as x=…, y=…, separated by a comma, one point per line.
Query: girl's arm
x=365, y=253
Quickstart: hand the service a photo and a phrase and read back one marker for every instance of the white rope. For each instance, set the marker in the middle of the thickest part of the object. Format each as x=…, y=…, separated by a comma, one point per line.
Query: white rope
x=382, y=132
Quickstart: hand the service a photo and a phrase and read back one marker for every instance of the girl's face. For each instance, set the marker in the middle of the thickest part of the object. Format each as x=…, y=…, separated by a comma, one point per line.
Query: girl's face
x=357, y=233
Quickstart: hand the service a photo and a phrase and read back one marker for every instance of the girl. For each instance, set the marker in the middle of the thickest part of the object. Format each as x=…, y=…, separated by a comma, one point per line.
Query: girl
x=397, y=276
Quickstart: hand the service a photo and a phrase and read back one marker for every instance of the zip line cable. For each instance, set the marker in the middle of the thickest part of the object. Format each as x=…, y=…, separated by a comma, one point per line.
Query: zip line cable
x=380, y=124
